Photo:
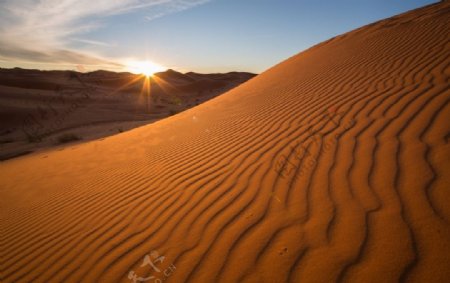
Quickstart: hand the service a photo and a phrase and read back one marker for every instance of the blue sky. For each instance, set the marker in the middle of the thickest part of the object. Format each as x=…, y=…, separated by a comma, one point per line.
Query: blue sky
x=186, y=35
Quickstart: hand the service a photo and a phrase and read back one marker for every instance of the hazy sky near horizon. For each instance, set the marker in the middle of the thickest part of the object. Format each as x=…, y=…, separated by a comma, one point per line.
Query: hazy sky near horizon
x=186, y=35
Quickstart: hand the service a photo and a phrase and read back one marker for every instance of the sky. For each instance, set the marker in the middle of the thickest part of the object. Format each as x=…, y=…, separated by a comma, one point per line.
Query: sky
x=186, y=35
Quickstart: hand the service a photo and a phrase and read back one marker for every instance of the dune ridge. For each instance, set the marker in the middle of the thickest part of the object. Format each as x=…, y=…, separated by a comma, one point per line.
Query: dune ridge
x=217, y=189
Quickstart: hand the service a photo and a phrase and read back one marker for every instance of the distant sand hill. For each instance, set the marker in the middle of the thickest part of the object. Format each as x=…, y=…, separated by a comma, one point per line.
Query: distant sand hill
x=332, y=166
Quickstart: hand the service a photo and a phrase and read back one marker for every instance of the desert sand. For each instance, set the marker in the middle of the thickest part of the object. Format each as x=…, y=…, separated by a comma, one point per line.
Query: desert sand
x=40, y=110
x=332, y=166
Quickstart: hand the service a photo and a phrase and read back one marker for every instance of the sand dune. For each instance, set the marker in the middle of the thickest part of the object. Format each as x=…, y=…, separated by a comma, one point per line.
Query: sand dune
x=331, y=166
x=42, y=109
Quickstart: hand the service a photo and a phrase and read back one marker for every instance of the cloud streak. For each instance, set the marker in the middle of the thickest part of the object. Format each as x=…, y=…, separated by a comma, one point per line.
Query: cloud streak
x=40, y=31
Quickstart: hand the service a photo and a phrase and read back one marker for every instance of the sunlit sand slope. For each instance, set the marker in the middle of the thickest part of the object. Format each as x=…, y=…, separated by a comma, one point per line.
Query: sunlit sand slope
x=331, y=166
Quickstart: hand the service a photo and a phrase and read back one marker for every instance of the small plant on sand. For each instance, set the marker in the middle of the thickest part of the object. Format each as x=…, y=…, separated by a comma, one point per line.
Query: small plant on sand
x=176, y=101
x=68, y=138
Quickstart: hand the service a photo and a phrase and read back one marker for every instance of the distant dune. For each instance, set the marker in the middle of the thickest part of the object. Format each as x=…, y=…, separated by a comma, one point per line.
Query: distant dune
x=42, y=109
x=332, y=166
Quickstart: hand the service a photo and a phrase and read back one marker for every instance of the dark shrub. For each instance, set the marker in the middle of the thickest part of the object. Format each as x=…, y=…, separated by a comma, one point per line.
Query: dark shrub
x=68, y=138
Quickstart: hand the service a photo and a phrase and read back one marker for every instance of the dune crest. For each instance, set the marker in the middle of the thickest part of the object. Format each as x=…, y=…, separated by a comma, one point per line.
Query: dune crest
x=331, y=166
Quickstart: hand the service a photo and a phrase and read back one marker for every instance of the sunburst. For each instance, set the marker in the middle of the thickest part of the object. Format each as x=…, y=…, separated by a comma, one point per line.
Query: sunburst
x=146, y=68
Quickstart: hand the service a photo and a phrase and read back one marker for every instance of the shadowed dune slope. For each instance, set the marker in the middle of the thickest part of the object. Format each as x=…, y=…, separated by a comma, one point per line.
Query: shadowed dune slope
x=357, y=128
x=39, y=108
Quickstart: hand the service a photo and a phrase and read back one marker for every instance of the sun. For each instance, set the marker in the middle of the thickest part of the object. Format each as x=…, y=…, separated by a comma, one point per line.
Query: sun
x=146, y=68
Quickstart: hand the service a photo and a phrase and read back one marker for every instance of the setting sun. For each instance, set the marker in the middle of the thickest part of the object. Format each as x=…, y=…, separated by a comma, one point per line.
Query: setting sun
x=147, y=68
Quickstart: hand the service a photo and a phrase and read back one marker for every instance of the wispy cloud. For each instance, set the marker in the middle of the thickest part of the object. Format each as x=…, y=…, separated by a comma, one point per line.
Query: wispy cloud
x=41, y=30
x=91, y=42
x=173, y=7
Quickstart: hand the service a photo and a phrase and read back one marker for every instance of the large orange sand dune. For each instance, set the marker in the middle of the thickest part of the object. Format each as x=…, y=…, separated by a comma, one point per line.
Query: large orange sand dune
x=358, y=128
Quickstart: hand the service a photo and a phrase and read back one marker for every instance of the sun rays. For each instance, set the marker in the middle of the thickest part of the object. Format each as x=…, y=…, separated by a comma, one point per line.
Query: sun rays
x=145, y=71
x=143, y=78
